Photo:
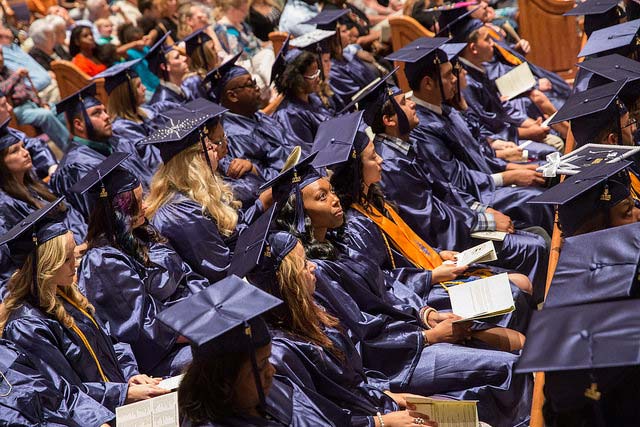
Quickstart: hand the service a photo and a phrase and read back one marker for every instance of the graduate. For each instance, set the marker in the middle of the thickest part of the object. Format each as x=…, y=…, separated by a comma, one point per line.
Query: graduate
x=92, y=142
x=22, y=192
x=300, y=82
x=442, y=222
x=189, y=203
x=448, y=149
x=416, y=361
x=131, y=121
x=231, y=381
x=170, y=64
x=46, y=315
x=130, y=273
x=28, y=398
x=252, y=135
x=202, y=59
x=305, y=334
x=348, y=73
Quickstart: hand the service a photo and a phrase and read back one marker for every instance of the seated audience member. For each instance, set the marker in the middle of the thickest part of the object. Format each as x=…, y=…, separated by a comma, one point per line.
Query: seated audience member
x=105, y=29
x=82, y=48
x=42, y=32
x=45, y=314
x=16, y=58
x=189, y=203
x=92, y=142
x=122, y=244
x=171, y=66
x=264, y=16
x=231, y=381
x=131, y=35
x=294, y=13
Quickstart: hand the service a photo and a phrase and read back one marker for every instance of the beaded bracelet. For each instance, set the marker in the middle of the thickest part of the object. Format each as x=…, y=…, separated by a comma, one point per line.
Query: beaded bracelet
x=379, y=415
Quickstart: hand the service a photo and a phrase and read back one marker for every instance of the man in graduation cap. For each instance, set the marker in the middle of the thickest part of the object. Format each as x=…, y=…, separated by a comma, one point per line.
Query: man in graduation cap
x=443, y=138
x=92, y=143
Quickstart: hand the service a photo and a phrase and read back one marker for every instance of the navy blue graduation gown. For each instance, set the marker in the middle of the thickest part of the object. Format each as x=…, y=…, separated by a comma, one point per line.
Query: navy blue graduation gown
x=165, y=93
x=60, y=353
x=301, y=120
x=447, y=223
x=446, y=147
x=289, y=405
x=7, y=267
x=260, y=139
x=28, y=398
x=128, y=295
x=195, y=236
x=246, y=189
x=348, y=76
x=398, y=352
x=193, y=87
x=41, y=155
x=81, y=159
x=339, y=377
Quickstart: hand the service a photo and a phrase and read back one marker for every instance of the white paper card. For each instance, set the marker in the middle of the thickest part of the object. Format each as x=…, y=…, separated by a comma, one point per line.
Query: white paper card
x=482, y=298
x=546, y=122
x=496, y=236
x=484, y=252
x=171, y=383
x=448, y=413
x=517, y=81
x=161, y=411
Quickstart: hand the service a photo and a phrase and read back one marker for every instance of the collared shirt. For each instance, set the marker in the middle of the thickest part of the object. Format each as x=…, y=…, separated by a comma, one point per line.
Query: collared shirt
x=468, y=63
x=100, y=147
x=395, y=143
x=174, y=87
x=294, y=13
x=15, y=57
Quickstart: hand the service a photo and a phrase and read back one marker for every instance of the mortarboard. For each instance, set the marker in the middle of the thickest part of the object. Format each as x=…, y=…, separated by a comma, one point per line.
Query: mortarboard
x=77, y=103
x=598, y=14
x=328, y=19
x=373, y=97
x=9, y=136
x=156, y=56
x=117, y=74
x=222, y=75
x=110, y=183
x=251, y=245
x=456, y=22
x=615, y=67
x=578, y=346
x=292, y=181
x=316, y=41
x=185, y=128
x=37, y=228
x=223, y=319
x=196, y=40
x=597, y=266
x=280, y=62
x=421, y=57
x=578, y=197
x=611, y=38
x=591, y=111
x=339, y=140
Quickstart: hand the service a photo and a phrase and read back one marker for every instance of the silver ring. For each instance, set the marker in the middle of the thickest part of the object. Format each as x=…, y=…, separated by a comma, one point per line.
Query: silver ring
x=418, y=421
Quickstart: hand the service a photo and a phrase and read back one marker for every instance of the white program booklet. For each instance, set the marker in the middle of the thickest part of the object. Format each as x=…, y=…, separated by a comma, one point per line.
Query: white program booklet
x=161, y=411
x=448, y=413
x=496, y=236
x=517, y=81
x=482, y=298
x=171, y=383
x=484, y=252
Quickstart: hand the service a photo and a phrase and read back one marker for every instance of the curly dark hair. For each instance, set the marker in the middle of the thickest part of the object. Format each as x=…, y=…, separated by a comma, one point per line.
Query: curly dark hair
x=291, y=81
x=286, y=221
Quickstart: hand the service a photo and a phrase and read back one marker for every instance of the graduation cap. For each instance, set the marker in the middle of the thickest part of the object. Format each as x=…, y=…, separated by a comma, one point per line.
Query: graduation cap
x=615, y=37
x=578, y=346
x=328, y=19
x=224, y=319
x=196, y=40
x=598, y=14
x=316, y=41
x=186, y=127
x=78, y=103
x=592, y=110
x=222, y=75
x=110, y=183
x=9, y=136
x=597, y=266
x=456, y=22
x=117, y=74
x=37, y=228
x=580, y=196
x=373, y=97
x=615, y=67
x=156, y=56
x=280, y=62
x=292, y=181
x=339, y=140
x=421, y=57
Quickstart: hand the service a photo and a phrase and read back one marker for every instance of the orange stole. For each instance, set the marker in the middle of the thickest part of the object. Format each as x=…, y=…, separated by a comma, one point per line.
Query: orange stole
x=635, y=185
x=404, y=239
x=508, y=56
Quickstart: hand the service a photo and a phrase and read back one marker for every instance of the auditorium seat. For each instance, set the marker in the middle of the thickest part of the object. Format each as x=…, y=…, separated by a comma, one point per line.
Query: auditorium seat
x=71, y=79
x=404, y=30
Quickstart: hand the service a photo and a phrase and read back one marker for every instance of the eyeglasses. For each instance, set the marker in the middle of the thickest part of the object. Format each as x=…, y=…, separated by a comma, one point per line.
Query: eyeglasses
x=631, y=122
x=312, y=76
x=250, y=84
x=213, y=145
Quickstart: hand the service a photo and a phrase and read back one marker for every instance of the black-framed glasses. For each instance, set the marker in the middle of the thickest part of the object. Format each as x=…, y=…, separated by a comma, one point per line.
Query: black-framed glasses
x=250, y=84
x=213, y=145
x=630, y=122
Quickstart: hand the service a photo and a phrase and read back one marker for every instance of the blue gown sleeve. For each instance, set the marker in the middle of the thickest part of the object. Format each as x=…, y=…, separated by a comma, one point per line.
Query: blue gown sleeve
x=41, y=156
x=32, y=335
x=134, y=133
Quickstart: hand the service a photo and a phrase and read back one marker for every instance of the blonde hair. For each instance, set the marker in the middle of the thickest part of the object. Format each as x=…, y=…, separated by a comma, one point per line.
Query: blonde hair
x=189, y=173
x=197, y=61
x=303, y=317
x=51, y=257
x=101, y=22
x=119, y=104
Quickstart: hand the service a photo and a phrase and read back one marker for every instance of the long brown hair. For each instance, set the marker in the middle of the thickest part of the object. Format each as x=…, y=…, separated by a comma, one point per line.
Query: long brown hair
x=120, y=102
